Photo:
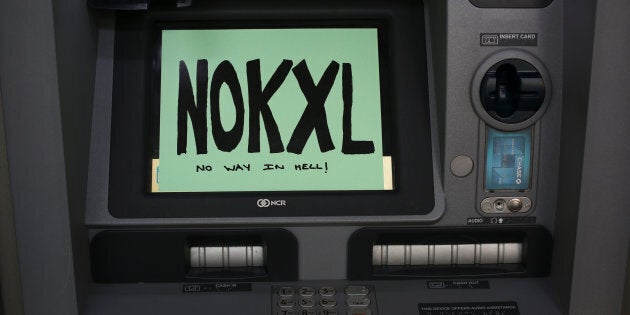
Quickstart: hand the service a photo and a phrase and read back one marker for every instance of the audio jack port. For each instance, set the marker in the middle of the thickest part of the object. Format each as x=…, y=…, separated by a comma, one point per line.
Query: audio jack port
x=499, y=205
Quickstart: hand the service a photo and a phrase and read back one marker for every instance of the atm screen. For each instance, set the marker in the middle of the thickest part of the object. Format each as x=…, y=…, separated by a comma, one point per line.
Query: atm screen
x=241, y=117
x=271, y=109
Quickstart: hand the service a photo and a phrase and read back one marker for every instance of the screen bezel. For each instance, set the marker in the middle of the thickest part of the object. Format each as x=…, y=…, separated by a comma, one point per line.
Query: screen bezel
x=131, y=149
x=385, y=95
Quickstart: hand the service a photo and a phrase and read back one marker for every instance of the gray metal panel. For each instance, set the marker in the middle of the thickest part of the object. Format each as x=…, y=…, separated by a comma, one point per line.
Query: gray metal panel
x=603, y=233
x=10, y=288
x=463, y=26
x=28, y=68
x=75, y=44
x=533, y=296
x=626, y=295
x=579, y=19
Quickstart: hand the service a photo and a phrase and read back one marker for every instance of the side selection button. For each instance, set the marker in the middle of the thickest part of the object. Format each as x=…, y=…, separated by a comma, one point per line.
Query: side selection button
x=357, y=290
x=360, y=301
x=359, y=311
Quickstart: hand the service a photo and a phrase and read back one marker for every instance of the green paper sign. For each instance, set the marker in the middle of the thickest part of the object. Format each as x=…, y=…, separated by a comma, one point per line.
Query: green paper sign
x=270, y=110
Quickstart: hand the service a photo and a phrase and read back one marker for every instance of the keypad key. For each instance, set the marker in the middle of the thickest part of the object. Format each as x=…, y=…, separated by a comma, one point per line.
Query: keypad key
x=307, y=302
x=327, y=291
x=329, y=312
x=306, y=312
x=306, y=291
x=357, y=290
x=286, y=291
x=286, y=312
x=286, y=302
x=358, y=300
x=359, y=311
x=326, y=302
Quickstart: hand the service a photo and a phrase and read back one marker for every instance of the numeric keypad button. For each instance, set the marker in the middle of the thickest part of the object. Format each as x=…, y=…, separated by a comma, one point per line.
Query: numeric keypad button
x=286, y=291
x=327, y=302
x=286, y=302
x=306, y=291
x=327, y=291
x=307, y=302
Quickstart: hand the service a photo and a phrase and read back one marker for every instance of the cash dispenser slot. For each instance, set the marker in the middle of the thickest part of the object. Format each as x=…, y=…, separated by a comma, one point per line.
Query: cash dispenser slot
x=447, y=254
x=410, y=253
x=231, y=259
x=123, y=256
x=226, y=256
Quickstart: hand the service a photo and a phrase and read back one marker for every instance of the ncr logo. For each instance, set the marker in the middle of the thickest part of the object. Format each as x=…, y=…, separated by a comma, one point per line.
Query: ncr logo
x=266, y=203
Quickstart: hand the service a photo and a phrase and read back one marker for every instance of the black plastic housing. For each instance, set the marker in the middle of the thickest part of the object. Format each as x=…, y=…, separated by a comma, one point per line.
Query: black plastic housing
x=405, y=82
x=163, y=255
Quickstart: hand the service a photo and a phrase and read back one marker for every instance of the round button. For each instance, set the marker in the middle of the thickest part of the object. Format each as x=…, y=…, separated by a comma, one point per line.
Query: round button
x=307, y=302
x=328, y=302
x=327, y=291
x=307, y=291
x=286, y=291
x=515, y=205
x=462, y=165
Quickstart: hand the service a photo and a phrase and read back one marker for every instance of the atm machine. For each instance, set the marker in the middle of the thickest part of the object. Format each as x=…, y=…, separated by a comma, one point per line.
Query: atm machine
x=314, y=157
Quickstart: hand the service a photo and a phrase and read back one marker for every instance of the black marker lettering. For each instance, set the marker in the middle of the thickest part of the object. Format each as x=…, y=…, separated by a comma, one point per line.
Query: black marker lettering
x=186, y=105
x=238, y=167
x=271, y=167
x=259, y=105
x=314, y=116
x=226, y=140
x=350, y=146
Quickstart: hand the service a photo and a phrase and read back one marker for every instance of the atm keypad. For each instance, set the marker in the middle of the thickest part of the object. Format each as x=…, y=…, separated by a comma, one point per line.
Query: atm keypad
x=324, y=300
